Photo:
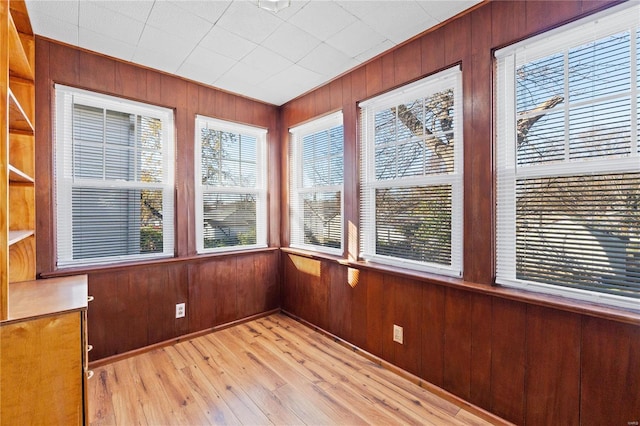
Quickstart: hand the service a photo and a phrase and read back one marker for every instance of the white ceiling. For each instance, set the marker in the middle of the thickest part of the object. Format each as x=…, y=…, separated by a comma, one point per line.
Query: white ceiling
x=234, y=45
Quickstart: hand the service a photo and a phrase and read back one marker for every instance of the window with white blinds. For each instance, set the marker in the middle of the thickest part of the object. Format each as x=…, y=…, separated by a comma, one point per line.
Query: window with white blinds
x=114, y=179
x=411, y=175
x=231, y=195
x=316, y=173
x=568, y=163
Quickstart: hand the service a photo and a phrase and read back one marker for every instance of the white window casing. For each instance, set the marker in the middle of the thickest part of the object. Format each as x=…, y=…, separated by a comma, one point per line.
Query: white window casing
x=411, y=175
x=114, y=179
x=316, y=185
x=230, y=187
x=568, y=161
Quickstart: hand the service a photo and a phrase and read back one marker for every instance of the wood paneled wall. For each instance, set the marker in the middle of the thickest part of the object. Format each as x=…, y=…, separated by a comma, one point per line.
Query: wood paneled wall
x=529, y=363
x=135, y=306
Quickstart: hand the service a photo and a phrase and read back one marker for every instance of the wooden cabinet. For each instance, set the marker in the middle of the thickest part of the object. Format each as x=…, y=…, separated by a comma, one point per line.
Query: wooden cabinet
x=44, y=353
x=17, y=186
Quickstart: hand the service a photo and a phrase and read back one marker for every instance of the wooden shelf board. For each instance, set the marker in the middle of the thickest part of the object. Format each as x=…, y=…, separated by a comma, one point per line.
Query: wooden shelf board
x=18, y=119
x=18, y=62
x=30, y=299
x=17, y=236
x=17, y=175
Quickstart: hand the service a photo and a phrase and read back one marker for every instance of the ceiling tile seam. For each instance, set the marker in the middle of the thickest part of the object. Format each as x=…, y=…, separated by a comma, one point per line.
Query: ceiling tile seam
x=202, y=38
x=146, y=22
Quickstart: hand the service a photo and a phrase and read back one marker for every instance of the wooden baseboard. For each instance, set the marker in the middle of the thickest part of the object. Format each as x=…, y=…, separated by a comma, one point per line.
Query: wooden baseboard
x=483, y=414
x=134, y=352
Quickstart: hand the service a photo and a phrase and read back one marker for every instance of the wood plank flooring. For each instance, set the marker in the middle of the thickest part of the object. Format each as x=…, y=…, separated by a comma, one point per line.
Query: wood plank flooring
x=272, y=370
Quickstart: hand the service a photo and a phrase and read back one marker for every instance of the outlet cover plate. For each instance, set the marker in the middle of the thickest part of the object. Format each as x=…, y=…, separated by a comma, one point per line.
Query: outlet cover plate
x=398, y=334
x=180, y=310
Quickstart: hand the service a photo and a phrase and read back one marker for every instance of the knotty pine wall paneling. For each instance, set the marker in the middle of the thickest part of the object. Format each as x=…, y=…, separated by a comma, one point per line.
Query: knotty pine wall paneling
x=134, y=305
x=531, y=363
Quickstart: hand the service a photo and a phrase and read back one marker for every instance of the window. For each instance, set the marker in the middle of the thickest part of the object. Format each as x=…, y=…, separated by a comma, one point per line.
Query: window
x=231, y=196
x=113, y=179
x=411, y=175
x=568, y=161
x=317, y=169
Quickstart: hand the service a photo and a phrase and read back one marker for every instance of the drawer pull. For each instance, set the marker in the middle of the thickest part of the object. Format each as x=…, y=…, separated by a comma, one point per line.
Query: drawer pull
x=89, y=348
x=90, y=299
x=89, y=374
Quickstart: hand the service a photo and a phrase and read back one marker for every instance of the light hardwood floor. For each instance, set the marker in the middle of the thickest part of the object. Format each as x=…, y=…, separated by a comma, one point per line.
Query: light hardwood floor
x=272, y=370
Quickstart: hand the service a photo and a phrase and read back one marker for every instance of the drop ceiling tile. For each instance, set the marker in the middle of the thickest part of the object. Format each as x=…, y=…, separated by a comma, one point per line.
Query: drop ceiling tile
x=322, y=19
x=328, y=61
x=234, y=81
x=276, y=95
x=206, y=63
x=291, y=42
x=289, y=84
x=375, y=51
x=288, y=12
x=227, y=43
x=174, y=20
x=63, y=11
x=209, y=10
x=156, y=40
x=100, y=43
x=355, y=39
x=361, y=8
x=245, y=19
x=398, y=24
x=110, y=24
x=443, y=10
x=265, y=61
x=55, y=29
x=138, y=9
x=295, y=79
x=240, y=72
x=158, y=60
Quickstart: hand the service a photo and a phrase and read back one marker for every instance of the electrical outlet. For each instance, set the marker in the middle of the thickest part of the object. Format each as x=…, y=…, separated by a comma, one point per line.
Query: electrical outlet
x=398, y=334
x=180, y=310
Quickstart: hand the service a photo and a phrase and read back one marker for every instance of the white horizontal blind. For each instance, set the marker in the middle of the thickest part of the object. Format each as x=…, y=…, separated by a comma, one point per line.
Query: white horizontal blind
x=316, y=184
x=113, y=179
x=411, y=175
x=568, y=161
x=231, y=196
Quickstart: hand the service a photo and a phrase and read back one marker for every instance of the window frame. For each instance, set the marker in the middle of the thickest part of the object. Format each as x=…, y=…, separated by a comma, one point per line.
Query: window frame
x=260, y=189
x=296, y=187
x=450, y=78
x=64, y=180
x=578, y=33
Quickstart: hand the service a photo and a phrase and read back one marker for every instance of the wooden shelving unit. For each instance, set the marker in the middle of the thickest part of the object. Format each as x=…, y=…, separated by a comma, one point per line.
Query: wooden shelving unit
x=17, y=209
x=42, y=324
